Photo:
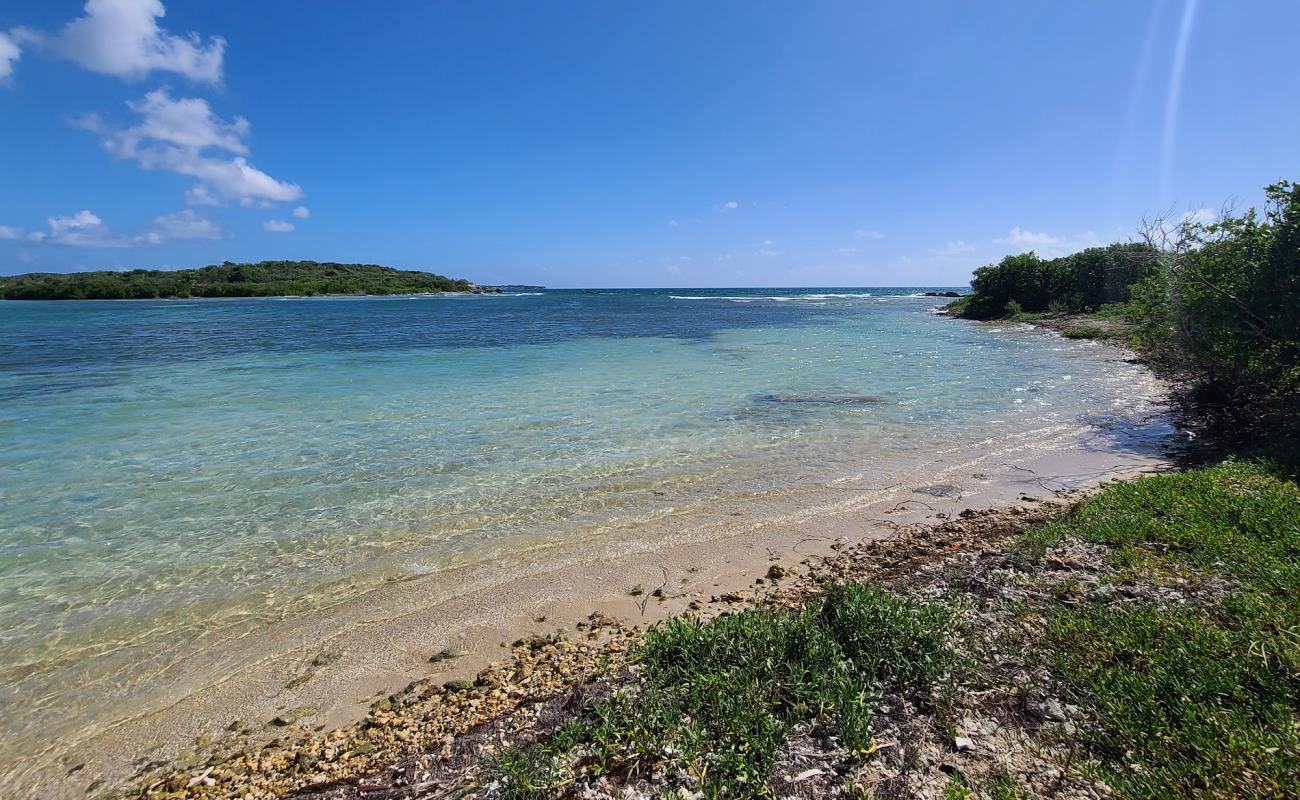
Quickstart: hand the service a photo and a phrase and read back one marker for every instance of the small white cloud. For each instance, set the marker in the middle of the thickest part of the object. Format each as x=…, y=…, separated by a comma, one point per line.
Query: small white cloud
x=673, y=269
x=277, y=226
x=302, y=212
x=181, y=135
x=1047, y=245
x=768, y=242
x=766, y=252
x=725, y=257
x=82, y=229
x=10, y=52
x=86, y=229
x=867, y=233
x=730, y=205
x=956, y=248
x=122, y=38
x=672, y=223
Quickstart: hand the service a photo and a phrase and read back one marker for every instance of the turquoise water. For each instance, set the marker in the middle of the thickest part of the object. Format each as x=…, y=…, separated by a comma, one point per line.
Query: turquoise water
x=176, y=474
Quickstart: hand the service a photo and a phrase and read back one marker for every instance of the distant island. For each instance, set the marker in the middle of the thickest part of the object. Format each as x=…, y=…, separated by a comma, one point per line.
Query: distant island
x=263, y=279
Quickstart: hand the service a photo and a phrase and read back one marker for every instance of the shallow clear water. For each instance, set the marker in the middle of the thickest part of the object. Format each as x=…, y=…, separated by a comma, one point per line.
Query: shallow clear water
x=177, y=473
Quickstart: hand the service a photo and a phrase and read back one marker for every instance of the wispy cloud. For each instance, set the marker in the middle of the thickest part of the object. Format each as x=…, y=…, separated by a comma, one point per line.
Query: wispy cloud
x=86, y=229
x=277, y=226
x=1047, y=245
x=184, y=224
x=730, y=205
x=868, y=233
x=10, y=52
x=956, y=248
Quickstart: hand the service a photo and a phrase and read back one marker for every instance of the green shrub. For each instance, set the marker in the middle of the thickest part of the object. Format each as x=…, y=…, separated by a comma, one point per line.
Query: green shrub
x=716, y=699
x=1086, y=332
x=1223, y=316
x=1076, y=283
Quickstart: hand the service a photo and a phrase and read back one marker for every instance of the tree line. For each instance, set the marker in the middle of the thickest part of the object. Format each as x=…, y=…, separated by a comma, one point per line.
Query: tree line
x=1215, y=307
x=263, y=279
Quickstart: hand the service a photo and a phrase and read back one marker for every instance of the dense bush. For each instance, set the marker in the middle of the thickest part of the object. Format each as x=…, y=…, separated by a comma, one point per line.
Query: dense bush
x=1080, y=282
x=263, y=279
x=1223, y=316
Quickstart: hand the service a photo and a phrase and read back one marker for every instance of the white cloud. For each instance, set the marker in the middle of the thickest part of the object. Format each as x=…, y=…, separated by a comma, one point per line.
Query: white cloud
x=10, y=52
x=1047, y=245
x=762, y=251
x=302, y=212
x=672, y=223
x=277, y=226
x=86, y=229
x=956, y=248
x=180, y=135
x=867, y=233
x=730, y=205
x=847, y=250
x=82, y=229
x=122, y=38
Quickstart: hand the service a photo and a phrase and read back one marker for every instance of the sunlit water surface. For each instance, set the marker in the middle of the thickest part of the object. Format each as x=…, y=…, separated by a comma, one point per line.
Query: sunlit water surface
x=175, y=474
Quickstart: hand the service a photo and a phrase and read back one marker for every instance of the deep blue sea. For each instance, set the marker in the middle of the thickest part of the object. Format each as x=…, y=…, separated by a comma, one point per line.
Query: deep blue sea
x=174, y=474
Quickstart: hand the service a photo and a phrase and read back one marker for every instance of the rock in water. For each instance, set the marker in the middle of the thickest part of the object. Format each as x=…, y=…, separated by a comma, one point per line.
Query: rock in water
x=827, y=399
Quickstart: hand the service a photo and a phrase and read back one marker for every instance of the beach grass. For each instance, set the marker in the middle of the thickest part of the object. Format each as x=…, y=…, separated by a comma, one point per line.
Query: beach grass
x=1189, y=698
x=717, y=698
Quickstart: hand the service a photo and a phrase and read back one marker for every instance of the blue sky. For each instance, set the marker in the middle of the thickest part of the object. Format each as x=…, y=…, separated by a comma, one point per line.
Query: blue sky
x=630, y=144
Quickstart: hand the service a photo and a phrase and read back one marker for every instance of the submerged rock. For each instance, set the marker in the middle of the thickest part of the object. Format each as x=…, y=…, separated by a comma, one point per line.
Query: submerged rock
x=828, y=399
x=940, y=490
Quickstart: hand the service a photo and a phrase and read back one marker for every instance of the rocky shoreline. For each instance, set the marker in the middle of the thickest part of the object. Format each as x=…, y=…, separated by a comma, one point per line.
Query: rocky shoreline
x=431, y=740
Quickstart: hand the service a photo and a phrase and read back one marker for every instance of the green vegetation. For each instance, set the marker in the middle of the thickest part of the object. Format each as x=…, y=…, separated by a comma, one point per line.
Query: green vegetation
x=1086, y=332
x=263, y=279
x=1189, y=700
x=1214, y=307
x=1223, y=316
x=1082, y=282
x=717, y=698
